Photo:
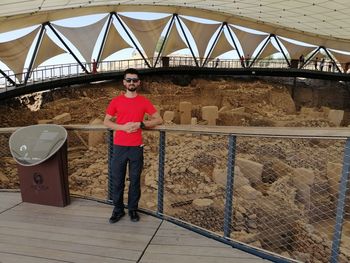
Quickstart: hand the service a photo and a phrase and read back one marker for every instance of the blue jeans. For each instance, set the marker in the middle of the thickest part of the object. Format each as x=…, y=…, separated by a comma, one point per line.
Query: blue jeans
x=122, y=156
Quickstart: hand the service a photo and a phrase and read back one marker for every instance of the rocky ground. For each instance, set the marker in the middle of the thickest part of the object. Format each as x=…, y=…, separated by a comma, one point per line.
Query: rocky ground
x=283, y=189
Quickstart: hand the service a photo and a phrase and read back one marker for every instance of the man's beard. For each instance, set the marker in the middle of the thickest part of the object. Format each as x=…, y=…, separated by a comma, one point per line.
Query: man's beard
x=132, y=89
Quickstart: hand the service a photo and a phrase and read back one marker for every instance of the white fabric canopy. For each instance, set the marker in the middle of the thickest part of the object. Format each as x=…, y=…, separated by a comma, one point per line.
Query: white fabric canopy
x=320, y=55
x=294, y=50
x=222, y=46
x=174, y=42
x=268, y=50
x=83, y=38
x=14, y=53
x=147, y=32
x=248, y=41
x=201, y=33
x=114, y=43
x=48, y=49
x=341, y=57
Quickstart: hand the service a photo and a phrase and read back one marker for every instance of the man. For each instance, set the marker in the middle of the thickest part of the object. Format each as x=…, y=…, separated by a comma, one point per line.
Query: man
x=128, y=109
x=301, y=61
x=217, y=61
x=316, y=63
x=247, y=60
x=242, y=61
x=94, y=67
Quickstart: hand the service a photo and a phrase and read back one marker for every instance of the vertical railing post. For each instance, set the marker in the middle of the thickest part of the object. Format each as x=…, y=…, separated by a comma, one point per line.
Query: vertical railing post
x=229, y=185
x=110, y=155
x=161, y=172
x=341, y=203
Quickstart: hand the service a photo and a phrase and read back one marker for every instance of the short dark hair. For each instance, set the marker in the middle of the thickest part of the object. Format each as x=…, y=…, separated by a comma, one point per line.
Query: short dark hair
x=131, y=71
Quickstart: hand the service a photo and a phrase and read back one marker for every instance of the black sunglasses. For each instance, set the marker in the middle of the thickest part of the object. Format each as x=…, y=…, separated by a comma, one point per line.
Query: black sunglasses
x=128, y=80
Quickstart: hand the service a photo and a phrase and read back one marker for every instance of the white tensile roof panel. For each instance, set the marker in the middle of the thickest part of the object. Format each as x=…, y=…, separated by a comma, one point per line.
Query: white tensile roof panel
x=315, y=22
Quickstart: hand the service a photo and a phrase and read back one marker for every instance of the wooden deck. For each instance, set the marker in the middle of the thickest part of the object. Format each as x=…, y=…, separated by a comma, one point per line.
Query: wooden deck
x=80, y=232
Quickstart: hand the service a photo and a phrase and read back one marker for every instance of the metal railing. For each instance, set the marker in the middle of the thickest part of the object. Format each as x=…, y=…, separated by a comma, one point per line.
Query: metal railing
x=54, y=72
x=279, y=193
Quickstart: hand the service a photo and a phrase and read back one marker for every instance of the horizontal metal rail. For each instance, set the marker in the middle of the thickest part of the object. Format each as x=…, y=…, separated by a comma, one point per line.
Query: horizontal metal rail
x=307, y=132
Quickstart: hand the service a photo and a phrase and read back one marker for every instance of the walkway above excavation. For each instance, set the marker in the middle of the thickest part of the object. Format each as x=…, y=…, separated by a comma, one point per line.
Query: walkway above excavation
x=59, y=81
x=80, y=232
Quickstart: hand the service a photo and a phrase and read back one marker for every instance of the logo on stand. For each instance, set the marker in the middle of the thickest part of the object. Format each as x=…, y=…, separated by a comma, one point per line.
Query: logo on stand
x=38, y=180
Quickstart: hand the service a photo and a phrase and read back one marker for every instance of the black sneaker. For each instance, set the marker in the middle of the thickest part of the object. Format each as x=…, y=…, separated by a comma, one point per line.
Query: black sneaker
x=116, y=216
x=134, y=217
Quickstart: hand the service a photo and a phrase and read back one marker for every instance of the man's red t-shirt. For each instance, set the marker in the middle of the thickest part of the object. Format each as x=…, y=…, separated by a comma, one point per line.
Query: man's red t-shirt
x=129, y=110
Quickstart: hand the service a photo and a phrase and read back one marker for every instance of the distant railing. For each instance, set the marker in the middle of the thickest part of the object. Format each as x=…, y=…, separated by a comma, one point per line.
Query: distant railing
x=54, y=72
x=279, y=193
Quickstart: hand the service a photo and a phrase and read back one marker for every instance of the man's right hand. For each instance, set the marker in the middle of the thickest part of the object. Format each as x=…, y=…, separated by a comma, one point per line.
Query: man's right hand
x=130, y=127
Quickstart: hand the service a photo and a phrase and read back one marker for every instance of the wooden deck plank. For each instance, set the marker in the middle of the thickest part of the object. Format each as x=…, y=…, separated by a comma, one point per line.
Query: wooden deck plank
x=79, y=207
x=77, y=233
x=195, y=250
x=103, y=230
x=80, y=233
x=171, y=234
x=55, y=254
x=74, y=239
x=96, y=250
x=87, y=213
x=14, y=258
x=30, y=213
x=185, y=246
x=174, y=258
x=122, y=227
x=9, y=199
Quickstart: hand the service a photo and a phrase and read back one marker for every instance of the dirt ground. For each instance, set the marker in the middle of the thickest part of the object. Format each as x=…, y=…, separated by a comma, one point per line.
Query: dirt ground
x=240, y=102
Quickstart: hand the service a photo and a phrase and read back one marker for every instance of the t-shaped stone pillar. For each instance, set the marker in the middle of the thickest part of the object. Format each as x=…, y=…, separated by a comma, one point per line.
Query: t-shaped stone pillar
x=210, y=114
x=185, y=112
x=168, y=116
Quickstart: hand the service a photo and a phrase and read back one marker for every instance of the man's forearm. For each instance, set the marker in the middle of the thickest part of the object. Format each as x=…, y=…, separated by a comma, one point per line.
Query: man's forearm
x=112, y=125
x=152, y=122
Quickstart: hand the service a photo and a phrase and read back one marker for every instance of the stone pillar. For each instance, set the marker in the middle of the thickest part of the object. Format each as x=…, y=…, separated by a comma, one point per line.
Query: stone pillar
x=62, y=118
x=210, y=114
x=334, y=172
x=168, y=117
x=185, y=112
x=96, y=137
x=49, y=121
x=302, y=179
x=194, y=121
x=336, y=116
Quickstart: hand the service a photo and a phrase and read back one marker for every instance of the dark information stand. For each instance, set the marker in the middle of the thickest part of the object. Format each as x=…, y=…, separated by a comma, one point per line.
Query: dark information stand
x=41, y=154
